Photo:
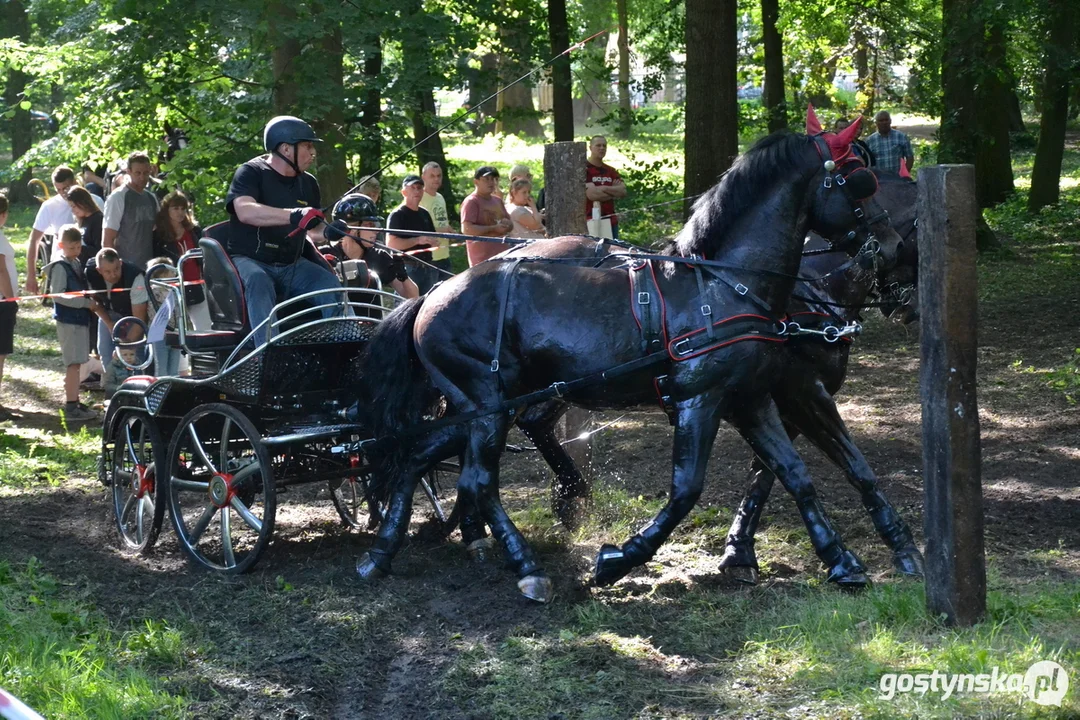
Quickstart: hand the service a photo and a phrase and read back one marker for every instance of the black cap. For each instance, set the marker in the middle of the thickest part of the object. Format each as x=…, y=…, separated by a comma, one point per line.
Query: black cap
x=411, y=180
x=485, y=171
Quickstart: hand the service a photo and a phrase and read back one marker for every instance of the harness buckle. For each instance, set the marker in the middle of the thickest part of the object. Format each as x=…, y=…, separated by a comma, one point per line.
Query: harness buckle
x=706, y=310
x=859, y=213
x=684, y=343
x=840, y=180
x=495, y=365
x=643, y=298
x=559, y=388
x=828, y=182
x=741, y=289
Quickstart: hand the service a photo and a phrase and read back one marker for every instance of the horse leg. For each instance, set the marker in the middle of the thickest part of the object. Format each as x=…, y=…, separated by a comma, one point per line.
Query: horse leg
x=422, y=457
x=762, y=428
x=739, y=559
x=696, y=425
x=816, y=415
x=479, y=487
x=570, y=491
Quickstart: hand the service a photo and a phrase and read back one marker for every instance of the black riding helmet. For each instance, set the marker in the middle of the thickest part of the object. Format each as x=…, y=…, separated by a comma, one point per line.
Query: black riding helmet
x=290, y=130
x=357, y=209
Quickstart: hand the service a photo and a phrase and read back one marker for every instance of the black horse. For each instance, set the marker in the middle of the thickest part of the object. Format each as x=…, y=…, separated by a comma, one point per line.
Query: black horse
x=508, y=328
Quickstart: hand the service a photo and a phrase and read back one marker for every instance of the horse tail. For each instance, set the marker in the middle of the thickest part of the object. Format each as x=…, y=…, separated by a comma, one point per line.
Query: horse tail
x=397, y=388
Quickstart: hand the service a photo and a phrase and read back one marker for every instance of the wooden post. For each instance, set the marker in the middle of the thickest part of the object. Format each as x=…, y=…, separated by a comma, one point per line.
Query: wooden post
x=953, y=512
x=564, y=203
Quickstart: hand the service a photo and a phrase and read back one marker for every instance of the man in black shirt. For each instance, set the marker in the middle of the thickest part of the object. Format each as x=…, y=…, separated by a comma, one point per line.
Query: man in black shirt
x=355, y=214
x=410, y=216
x=273, y=203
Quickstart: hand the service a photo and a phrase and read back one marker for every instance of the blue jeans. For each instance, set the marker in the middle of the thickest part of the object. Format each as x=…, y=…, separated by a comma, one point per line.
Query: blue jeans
x=264, y=284
x=426, y=276
x=104, y=339
x=166, y=360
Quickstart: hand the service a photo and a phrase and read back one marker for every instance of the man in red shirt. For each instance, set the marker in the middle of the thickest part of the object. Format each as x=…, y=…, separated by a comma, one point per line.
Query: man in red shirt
x=484, y=214
x=602, y=183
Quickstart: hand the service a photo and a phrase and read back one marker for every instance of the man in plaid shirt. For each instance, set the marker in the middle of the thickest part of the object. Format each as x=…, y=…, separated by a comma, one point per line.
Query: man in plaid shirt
x=889, y=145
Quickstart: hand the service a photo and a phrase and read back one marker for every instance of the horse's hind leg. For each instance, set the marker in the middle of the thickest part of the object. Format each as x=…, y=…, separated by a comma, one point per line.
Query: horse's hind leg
x=479, y=487
x=423, y=456
x=762, y=428
x=570, y=490
x=815, y=413
x=695, y=431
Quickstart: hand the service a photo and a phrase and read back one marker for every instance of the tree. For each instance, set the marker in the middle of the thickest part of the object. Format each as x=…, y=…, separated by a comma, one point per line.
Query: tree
x=773, y=96
x=1046, y=174
x=561, y=82
x=994, y=180
x=18, y=26
x=712, y=115
x=625, y=117
x=516, y=113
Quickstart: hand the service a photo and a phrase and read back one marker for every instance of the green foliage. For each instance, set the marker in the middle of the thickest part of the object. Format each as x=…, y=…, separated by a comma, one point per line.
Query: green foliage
x=61, y=657
x=30, y=457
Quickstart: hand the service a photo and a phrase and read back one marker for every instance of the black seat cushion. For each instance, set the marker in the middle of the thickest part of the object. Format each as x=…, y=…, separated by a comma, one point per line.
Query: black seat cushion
x=224, y=290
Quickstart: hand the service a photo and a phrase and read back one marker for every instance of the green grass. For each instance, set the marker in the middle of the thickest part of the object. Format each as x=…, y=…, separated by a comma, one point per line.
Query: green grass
x=30, y=457
x=61, y=657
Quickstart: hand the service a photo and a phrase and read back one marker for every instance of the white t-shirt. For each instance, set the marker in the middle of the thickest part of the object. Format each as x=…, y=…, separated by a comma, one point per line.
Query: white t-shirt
x=9, y=259
x=436, y=207
x=54, y=214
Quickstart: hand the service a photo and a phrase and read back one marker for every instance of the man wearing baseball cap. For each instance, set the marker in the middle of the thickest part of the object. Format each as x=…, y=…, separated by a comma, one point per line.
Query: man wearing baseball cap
x=410, y=216
x=484, y=214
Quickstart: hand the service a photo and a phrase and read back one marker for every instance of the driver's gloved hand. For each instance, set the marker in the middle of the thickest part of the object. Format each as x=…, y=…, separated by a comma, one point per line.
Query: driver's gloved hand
x=306, y=218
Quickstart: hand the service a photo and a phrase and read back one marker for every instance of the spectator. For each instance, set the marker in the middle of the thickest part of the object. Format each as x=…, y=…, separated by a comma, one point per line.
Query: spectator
x=175, y=232
x=371, y=188
x=889, y=146
x=72, y=315
x=523, y=212
x=93, y=179
x=857, y=146
x=522, y=172
x=434, y=202
x=166, y=359
x=122, y=292
x=89, y=218
x=603, y=184
x=130, y=213
x=53, y=214
x=484, y=214
x=274, y=207
x=410, y=216
x=9, y=286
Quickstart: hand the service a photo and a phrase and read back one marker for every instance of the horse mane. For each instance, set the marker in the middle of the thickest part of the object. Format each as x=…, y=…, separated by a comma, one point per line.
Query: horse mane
x=750, y=177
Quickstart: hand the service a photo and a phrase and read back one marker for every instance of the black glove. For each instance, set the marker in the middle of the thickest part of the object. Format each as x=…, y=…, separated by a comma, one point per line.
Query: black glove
x=397, y=269
x=335, y=231
x=306, y=218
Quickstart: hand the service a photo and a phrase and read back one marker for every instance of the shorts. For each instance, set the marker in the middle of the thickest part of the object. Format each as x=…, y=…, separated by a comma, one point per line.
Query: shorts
x=7, y=327
x=74, y=343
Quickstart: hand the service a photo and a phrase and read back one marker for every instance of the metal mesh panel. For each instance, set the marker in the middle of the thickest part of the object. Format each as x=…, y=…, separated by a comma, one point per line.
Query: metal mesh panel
x=330, y=331
x=244, y=378
x=155, y=397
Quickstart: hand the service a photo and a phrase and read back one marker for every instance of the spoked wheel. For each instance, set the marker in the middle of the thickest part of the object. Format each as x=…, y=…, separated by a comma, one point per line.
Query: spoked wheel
x=44, y=253
x=350, y=500
x=221, y=488
x=138, y=453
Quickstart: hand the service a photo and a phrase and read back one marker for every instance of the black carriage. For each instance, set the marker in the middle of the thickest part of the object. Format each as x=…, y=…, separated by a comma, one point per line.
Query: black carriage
x=248, y=422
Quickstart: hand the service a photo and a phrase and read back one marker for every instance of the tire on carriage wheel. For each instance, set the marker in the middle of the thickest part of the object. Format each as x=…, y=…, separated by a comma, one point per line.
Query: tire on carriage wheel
x=221, y=488
x=135, y=469
x=350, y=500
x=44, y=253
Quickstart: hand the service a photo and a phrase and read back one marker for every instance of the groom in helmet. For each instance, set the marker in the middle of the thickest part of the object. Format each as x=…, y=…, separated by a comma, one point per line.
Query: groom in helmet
x=274, y=209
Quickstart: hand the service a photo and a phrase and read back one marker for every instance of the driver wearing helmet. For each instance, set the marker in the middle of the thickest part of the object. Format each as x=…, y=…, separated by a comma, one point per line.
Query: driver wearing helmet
x=355, y=214
x=273, y=205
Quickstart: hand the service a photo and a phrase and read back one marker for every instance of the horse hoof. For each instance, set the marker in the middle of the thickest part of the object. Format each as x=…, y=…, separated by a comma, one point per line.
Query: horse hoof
x=848, y=573
x=741, y=574
x=572, y=512
x=537, y=588
x=909, y=561
x=611, y=565
x=367, y=569
x=479, y=549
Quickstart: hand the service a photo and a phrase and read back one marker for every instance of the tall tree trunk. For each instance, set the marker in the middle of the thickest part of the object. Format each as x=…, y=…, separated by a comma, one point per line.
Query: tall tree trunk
x=483, y=83
x=284, y=57
x=329, y=125
x=625, y=117
x=371, y=109
x=561, y=81
x=712, y=114
x=17, y=25
x=1046, y=174
x=864, y=80
x=994, y=179
x=1016, y=116
x=516, y=113
x=775, y=103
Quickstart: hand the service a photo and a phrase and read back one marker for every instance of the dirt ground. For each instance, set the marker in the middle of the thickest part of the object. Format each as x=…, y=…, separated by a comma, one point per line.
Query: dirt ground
x=300, y=637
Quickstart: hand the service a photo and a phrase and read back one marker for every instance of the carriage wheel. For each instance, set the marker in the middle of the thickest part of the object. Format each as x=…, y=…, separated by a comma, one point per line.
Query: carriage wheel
x=221, y=488
x=138, y=452
x=44, y=253
x=349, y=498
